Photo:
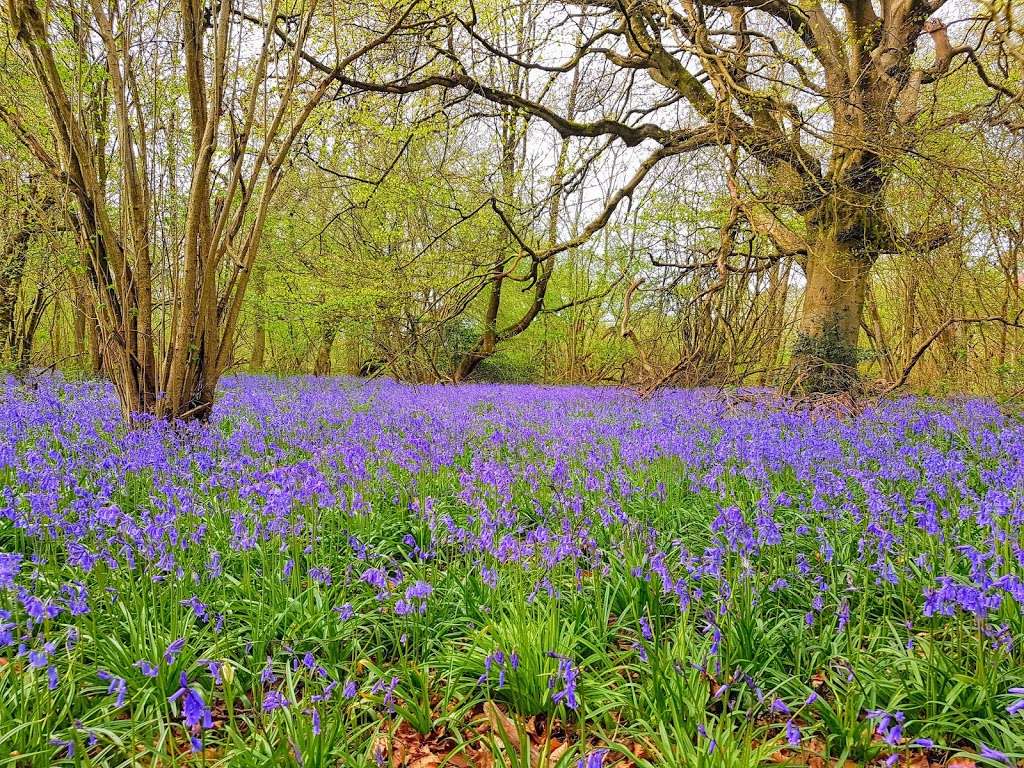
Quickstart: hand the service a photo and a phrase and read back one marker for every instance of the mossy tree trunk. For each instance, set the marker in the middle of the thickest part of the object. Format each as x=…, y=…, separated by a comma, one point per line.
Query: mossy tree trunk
x=825, y=354
x=12, y=273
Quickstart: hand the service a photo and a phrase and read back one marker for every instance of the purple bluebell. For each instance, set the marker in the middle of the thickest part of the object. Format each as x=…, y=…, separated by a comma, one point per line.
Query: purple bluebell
x=193, y=708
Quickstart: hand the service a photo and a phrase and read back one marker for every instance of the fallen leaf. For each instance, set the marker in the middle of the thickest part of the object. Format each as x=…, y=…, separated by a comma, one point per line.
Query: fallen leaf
x=915, y=760
x=483, y=759
x=556, y=754
x=426, y=761
x=638, y=750
x=501, y=724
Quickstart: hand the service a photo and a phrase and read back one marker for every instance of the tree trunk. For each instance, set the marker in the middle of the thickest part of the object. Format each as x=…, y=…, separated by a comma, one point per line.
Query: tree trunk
x=259, y=348
x=322, y=366
x=26, y=335
x=825, y=354
x=12, y=273
x=515, y=138
x=883, y=348
x=95, y=343
x=259, y=341
x=78, y=325
x=487, y=343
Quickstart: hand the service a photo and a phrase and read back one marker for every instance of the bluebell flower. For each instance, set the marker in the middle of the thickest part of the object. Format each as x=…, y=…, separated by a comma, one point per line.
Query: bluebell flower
x=779, y=707
x=993, y=754
x=792, y=734
x=117, y=686
x=267, y=676
x=567, y=674
x=193, y=707
x=10, y=564
x=275, y=700
x=171, y=654
x=198, y=608
x=387, y=688
x=67, y=745
x=593, y=759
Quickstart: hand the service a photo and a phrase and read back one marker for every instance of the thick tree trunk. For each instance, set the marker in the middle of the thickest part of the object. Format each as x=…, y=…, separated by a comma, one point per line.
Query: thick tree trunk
x=825, y=354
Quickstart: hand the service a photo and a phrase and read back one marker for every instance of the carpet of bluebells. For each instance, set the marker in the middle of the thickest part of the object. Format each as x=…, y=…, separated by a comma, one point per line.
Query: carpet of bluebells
x=346, y=573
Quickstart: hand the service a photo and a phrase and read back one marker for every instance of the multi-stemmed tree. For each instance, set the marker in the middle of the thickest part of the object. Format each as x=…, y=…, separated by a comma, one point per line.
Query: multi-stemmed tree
x=171, y=125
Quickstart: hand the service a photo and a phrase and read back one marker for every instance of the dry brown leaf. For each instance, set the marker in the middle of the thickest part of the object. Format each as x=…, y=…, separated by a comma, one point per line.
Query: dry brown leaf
x=815, y=746
x=426, y=761
x=501, y=723
x=556, y=754
x=399, y=754
x=638, y=750
x=915, y=760
x=483, y=759
x=961, y=762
